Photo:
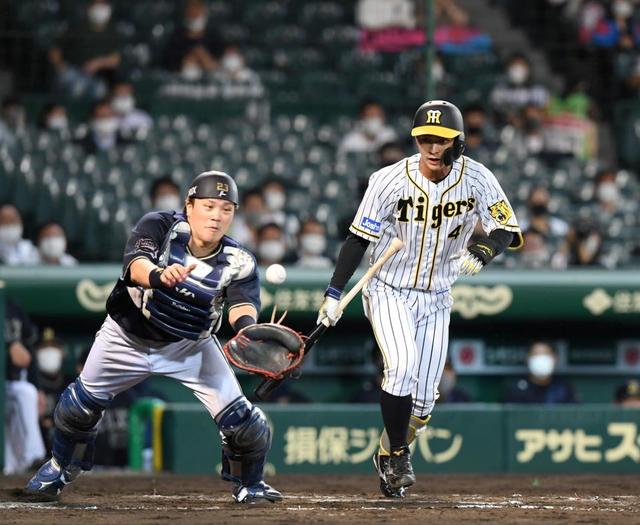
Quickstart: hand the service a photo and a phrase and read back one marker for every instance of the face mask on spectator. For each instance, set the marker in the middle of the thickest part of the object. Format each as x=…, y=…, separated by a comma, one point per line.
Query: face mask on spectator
x=105, y=128
x=313, y=243
x=10, y=233
x=53, y=247
x=372, y=125
x=232, y=62
x=271, y=250
x=191, y=72
x=196, y=24
x=123, y=105
x=541, y=366
x=275, y=200
x=622, y=9
x=59, y=123
x=535, y=144
x=169, y=201
x=49, y=360
x=608, y=192
x=518, y=73
x=99, y=14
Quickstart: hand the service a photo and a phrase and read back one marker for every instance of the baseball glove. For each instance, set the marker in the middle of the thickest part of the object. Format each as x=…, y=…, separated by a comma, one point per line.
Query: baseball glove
x=268, y=349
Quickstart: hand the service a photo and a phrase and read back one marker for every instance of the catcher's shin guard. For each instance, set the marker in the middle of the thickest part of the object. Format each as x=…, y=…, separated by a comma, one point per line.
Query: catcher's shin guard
x=246, y=439
x=76, y=419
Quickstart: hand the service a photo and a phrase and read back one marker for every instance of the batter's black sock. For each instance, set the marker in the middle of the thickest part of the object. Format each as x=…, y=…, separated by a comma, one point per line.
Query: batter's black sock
x=396, y=412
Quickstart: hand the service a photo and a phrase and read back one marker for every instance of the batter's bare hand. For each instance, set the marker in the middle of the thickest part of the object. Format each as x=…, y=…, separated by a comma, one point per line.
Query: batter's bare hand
x=176, y=273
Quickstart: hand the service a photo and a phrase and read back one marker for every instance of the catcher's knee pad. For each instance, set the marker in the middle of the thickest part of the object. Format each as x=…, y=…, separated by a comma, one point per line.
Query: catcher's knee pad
x=76, y=419
x=246, y=439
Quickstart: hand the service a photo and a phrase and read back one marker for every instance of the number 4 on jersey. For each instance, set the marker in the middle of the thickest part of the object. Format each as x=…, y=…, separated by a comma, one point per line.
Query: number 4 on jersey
x=455, y=232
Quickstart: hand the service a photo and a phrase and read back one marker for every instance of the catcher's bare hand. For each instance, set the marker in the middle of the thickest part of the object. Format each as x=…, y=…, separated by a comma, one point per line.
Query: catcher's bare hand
x=175, y=273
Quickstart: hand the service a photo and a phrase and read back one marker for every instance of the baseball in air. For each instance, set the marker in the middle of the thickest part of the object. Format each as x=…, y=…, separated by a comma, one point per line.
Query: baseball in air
x=275, y=274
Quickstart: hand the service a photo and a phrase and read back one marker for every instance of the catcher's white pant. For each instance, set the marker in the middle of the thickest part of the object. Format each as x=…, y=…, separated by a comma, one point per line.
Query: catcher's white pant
x=23, y=441
x=119, y=360
x=411, y=328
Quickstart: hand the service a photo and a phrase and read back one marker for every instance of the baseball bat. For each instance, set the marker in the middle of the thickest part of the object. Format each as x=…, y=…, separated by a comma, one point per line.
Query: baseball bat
x=264, y=389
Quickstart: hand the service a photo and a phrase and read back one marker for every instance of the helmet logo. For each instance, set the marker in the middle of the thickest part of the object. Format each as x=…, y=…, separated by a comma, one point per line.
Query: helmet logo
x=223, y=189
x=192, y=191
x=433, y=116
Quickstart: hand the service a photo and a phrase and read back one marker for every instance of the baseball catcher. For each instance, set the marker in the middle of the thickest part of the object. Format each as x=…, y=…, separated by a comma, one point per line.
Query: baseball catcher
x=180, y=270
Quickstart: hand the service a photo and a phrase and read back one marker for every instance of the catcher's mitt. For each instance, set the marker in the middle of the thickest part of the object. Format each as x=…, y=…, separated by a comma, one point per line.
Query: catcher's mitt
x=269, y=349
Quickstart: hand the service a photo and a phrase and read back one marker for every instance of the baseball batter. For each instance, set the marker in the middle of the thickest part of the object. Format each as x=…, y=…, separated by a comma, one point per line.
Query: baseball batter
x=179, y=271
x=431, y=201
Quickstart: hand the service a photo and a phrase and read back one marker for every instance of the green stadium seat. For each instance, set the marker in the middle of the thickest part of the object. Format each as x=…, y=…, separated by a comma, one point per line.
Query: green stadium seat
x=343, y=37
x=32, y=13
x=265, y=14
x=236, y=33
x=285, y=36
x=320, y=14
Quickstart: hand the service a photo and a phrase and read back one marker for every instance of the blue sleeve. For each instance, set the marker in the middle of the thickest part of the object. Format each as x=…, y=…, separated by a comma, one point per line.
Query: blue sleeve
x=145, y=240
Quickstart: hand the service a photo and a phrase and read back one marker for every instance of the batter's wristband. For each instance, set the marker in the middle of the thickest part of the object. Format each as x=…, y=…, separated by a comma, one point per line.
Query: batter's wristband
x=154, y=278
x=333, y=292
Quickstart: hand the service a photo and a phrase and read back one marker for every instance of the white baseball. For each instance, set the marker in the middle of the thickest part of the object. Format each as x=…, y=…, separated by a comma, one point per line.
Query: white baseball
x=275, y=274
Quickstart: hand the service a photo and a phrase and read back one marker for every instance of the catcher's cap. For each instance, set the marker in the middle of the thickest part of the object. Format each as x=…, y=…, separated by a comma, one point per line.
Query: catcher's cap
x=440, y=118
x=213, y=185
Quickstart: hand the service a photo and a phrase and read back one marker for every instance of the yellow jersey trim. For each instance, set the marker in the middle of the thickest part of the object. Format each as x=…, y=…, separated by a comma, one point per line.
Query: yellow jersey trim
x=424, y=226
x=435, y=251
x=364, y=232
x=517, y=242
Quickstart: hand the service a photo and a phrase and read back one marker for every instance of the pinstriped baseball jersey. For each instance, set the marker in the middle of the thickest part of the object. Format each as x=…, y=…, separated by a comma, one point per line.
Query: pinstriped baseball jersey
x=435, y=220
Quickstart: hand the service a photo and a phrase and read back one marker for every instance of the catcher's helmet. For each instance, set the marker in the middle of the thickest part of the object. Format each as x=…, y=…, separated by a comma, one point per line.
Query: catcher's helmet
x=213, y=185
x=443, y=119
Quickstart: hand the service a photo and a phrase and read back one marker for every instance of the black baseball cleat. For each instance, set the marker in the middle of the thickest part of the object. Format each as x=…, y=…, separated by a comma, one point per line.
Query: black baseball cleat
x=258, y=493
x=382, y=465
x=400, y=472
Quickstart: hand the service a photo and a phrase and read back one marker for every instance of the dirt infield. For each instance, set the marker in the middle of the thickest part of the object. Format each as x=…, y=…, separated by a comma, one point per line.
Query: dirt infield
x=116, y=498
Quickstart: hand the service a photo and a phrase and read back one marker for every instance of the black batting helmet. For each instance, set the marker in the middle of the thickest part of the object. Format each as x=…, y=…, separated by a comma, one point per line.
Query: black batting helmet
x=442, y=119
x=213, y=185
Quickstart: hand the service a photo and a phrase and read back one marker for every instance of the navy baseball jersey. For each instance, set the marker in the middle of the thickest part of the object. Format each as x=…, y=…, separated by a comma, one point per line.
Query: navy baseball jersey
x=146, y=240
